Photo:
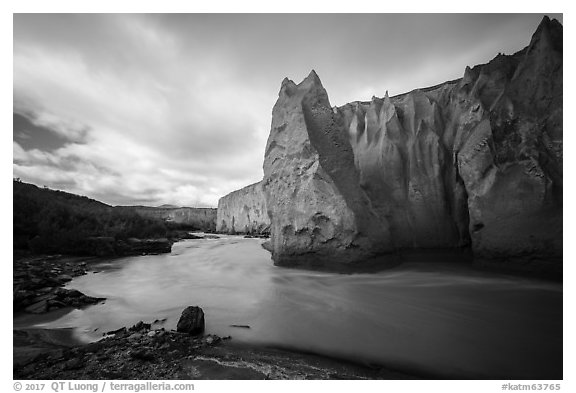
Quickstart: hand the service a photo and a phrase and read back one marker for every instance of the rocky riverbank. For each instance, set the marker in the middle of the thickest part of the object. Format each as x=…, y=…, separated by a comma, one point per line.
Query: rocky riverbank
x=146, y=352
x=38, y=283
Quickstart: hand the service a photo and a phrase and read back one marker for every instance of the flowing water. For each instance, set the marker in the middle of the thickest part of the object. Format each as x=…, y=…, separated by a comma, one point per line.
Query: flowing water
x=443, y=318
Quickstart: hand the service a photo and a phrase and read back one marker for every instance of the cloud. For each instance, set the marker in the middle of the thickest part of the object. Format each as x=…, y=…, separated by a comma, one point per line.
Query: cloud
x=152, y=131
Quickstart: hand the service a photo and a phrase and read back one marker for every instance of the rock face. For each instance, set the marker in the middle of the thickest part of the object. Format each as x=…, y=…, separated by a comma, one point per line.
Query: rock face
x=311, y=185
x=196, y=217
x=511, y=160
x=475, y=162
x=407, y=169
x=243, y=211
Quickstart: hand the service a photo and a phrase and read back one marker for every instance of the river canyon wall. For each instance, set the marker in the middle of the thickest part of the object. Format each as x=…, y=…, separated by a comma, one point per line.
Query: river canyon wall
x=244, y=211
x=475, y=162
x=193, y=217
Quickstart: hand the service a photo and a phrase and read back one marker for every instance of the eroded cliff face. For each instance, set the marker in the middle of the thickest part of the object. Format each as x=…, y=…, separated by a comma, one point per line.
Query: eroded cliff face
x=243, y=211
x=407, y=167
x=311, y=185
x=478, y=159
x=473, y=162
x=194, y=217
x=511, y=159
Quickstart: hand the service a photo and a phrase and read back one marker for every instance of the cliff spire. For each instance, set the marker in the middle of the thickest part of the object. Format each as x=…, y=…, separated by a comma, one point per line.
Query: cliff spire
x=312, y=79
x=548, y=34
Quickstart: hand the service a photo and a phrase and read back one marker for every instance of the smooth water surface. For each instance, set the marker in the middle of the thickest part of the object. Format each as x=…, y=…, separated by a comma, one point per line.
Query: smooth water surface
x=444, y=318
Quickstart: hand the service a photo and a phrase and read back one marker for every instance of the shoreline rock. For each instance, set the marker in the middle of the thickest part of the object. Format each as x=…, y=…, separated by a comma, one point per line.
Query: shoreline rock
x=191, y=321
x=38, y=284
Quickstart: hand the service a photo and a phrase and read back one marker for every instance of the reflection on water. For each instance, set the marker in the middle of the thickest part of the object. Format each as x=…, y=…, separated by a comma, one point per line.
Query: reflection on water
x=449, y=319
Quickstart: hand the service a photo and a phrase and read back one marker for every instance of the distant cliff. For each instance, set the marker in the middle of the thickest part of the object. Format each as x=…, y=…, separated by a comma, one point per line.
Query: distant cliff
x=475, y=162
x=192, y=217
x=243, y=211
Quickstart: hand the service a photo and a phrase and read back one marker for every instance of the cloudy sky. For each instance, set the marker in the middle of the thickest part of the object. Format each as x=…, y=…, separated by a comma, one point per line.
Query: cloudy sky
x=154, y=109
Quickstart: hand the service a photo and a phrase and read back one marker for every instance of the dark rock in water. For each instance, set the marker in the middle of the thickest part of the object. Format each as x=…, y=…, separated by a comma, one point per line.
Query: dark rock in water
x=140, y=326
x=191, y=321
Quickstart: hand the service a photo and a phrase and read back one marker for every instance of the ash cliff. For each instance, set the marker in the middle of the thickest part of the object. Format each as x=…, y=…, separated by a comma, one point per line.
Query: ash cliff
x=475, y=162
x=243, y=211
x=193, y=217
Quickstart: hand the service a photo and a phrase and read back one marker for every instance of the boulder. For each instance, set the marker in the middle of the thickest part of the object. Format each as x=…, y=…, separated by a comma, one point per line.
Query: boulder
x=191, y=321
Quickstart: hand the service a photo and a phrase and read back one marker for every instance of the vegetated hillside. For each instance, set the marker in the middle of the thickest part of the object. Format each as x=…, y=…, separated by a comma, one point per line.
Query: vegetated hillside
x=51, y=221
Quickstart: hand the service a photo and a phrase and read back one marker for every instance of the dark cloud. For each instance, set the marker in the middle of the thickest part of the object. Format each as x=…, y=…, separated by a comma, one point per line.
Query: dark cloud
x=31, y=136
x=153, y=109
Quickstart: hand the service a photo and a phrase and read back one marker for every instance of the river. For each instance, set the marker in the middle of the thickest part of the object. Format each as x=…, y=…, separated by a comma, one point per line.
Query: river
x=446, y=319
